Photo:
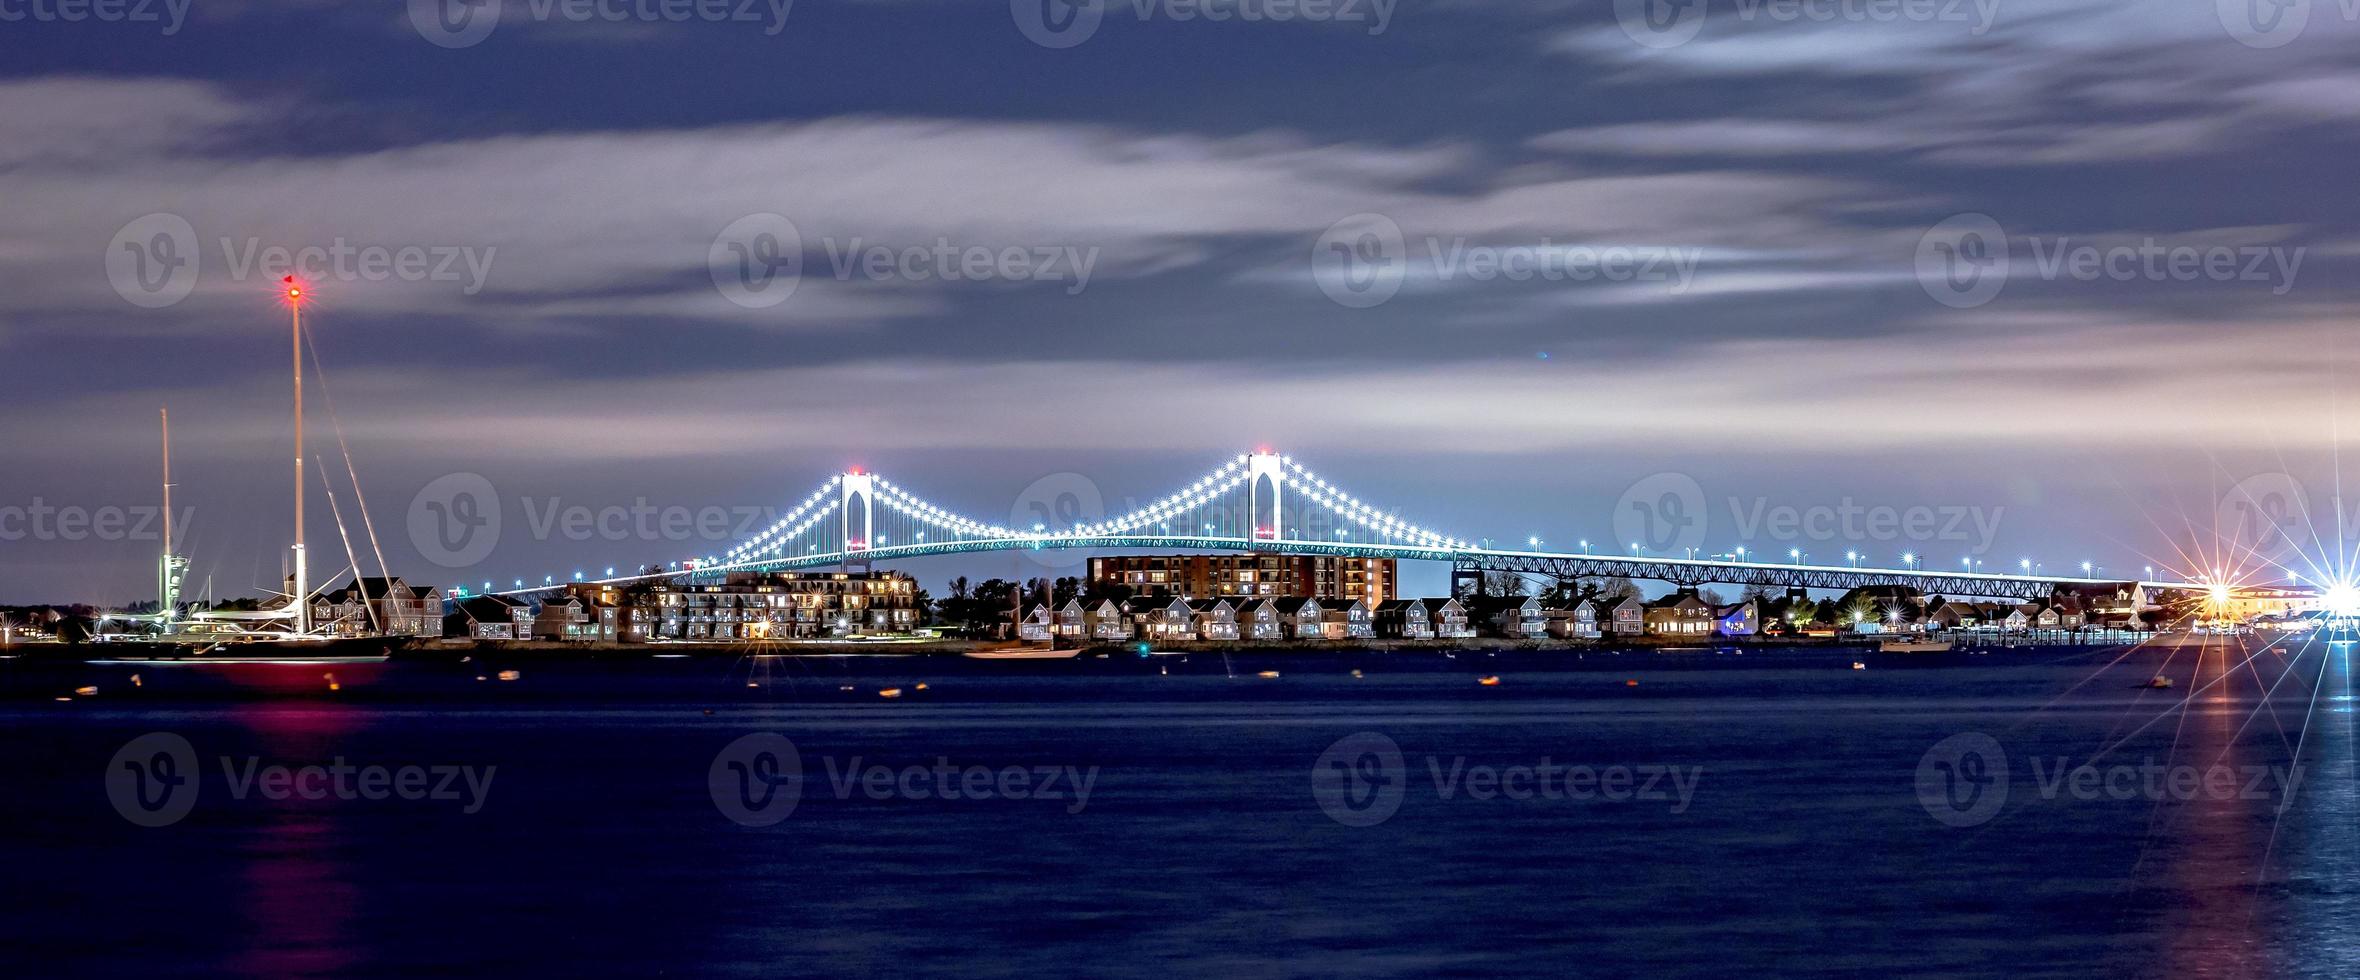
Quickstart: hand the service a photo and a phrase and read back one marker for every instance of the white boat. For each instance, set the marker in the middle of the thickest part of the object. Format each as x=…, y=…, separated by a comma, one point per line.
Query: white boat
x=1914, y=644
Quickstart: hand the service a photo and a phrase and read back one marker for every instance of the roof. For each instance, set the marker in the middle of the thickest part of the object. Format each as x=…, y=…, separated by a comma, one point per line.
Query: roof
x=485, y=607
x=1292, y=604
x=1401, y=605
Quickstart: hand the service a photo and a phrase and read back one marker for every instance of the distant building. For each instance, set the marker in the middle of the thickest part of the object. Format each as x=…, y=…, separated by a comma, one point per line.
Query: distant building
x=1346, y=619
x=1216, y=619
x=1258, y=619
x=1162, y=617
x=1404, y=618
x=1620, y=615
x=380, y=605
x=1681, y=613
x=1299, y=618
x=1742, y=618
x=490, y=617
x=1106, y=621
x=1450, y=618
x=758, y=606
x=1515, y=617
x=566, y=618
x=1371, y=580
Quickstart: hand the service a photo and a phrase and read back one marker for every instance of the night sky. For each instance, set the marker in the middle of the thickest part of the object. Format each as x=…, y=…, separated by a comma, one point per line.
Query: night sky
x=1787, y=190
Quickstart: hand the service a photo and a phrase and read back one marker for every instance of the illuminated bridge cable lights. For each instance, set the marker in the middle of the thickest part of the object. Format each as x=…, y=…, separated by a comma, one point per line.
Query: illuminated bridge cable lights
x=1342, y=504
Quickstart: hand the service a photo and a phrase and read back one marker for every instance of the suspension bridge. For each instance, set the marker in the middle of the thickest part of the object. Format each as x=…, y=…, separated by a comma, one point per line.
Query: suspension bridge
x=1258, y=501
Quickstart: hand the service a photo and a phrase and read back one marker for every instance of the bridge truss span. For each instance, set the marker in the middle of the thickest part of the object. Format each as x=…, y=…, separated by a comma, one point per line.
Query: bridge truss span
x=1254, y=502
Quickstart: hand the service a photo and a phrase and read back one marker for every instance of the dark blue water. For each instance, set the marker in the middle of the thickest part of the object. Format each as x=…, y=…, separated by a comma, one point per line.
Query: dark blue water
x=1802, y=842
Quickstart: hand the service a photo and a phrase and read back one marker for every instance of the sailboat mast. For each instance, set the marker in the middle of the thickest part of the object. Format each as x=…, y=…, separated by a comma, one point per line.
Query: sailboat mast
x=302, y=590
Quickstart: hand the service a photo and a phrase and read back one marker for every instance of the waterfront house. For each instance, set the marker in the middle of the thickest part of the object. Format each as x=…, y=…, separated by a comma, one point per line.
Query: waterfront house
x=1300, y=617
x=489, y=617
x=1952, y=614
x=1620, y=615
x=1106, y=620
x=1037, y=624
x=1450, y=618
x=1576, y=622
x=566, y=618
x=1404, y=618
x=1516, y=617
x=2070, y=615
x=1215, y=619
x=1163, y=617
x=1681, y=613
x=1258, y=619
x=1742, y=618
x=1345, y=619
x=1071, y=623
x=380, y=605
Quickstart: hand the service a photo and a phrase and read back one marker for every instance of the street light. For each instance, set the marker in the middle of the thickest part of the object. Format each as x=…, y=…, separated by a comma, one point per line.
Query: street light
x=1534, y=541
x=1908, y=560
x=1796, y=554
x=1585, y=546
x=1741, y=552
x=1634, y=549
x=2025, y=564
x=1853, y=557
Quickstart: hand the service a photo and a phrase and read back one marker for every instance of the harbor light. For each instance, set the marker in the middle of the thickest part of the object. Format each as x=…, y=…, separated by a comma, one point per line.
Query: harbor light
x=2342, y=600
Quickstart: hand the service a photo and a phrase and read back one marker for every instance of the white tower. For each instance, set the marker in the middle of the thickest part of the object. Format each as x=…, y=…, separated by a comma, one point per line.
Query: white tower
x=1259, y=465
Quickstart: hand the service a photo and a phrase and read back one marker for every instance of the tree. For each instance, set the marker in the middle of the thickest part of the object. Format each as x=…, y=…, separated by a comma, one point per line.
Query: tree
x=959, y=588
x=1711, y=597
x=1610, y=588
x=1504, y=584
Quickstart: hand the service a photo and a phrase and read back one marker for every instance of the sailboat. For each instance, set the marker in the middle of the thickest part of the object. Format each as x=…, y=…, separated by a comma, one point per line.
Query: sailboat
x=281, y=631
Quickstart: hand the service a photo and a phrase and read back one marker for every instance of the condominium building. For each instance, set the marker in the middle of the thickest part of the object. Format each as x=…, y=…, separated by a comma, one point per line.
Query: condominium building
x=1370, y=580
x=762, y=606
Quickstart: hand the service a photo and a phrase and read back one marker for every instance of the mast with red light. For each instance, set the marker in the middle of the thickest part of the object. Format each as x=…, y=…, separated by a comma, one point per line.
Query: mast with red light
x=292, y=291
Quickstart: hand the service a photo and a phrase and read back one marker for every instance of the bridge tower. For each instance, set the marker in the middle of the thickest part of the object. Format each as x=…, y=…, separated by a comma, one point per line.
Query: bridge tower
x=855, y=491
x=1261, y=465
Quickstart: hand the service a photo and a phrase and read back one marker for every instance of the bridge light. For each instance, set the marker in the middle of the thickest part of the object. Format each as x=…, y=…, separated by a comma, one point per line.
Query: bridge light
x=1533, y=541
x=2085, y=568
x=2024, y=563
